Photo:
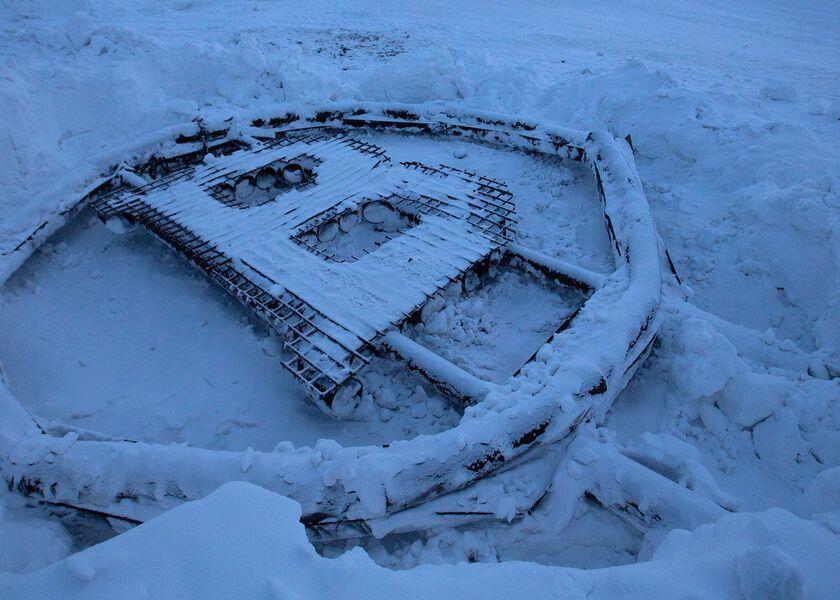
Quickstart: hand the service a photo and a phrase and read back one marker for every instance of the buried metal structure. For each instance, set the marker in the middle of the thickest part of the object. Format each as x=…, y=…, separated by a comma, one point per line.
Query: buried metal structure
x=572, y=379
x=336, y=256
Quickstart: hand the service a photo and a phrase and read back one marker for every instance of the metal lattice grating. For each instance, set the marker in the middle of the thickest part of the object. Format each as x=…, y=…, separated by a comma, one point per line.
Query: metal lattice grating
x=444, y=209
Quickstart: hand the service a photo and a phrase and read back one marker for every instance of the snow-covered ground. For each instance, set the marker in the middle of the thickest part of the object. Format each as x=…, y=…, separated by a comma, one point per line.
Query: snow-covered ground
x=734, y=112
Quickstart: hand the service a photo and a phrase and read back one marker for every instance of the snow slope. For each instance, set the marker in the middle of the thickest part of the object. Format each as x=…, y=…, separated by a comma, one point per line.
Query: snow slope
x=734, y=111
x=766, y=555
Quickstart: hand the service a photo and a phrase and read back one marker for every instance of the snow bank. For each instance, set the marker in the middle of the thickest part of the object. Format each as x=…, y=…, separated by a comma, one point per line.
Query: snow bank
x=111, y=85
x=265, y=554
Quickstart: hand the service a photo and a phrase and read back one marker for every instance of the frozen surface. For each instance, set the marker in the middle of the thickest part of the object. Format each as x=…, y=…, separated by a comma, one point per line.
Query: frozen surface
x=734, y=111
x=98, y=326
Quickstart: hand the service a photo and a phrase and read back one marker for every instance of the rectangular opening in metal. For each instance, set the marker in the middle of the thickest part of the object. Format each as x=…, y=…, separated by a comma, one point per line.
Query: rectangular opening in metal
x=355, y=232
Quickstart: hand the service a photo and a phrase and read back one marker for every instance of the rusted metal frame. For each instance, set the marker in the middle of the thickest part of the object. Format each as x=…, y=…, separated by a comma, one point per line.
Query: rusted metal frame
x=237, y=236
x=236, y=284
x=378, y=123
x=564, y=325
x=607, y=220
x=504, y=195
x=333, y=212
x=170, y=231
x=448, y=280
x=181, y=239
x=212, y=142
x=494, y=230
x=335, y=369
x=318, y=387
x=333, y=258
x=508, y=214
x=412, y=354
x=432, y=204
x=232, y=176
x=493, y=224
x=488, y=200
x=314, y=344
x=485, y=205
x=330, y=530
x=326, y=334
x=91, y=511
x=301, y=353
x=187, y=175
x=210, y=172
x=245, y=295
x=325, y=215
x=315, y=250
x=317, y=393
x=489, y=233
x=425, y=208
x=585, y=281
x=435, y=232
x=498, y=226
x=163, y=181
x=367, y=148
x=311, y=373
x=303, y=303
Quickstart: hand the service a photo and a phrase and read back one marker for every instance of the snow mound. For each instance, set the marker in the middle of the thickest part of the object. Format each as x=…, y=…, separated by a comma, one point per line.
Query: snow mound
x=46, y=541
x=266, y=555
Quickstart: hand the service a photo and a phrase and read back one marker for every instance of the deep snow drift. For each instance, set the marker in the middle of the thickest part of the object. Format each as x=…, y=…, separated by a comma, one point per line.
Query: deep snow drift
x=764, y=555
x=734, y=112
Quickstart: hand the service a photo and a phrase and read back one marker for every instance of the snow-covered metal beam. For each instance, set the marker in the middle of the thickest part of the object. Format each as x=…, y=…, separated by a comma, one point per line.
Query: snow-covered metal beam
x=566, y=272
x=451, y=379
x=647, y=499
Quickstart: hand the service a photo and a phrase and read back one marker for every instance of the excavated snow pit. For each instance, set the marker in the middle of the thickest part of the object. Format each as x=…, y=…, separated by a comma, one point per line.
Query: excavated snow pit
x=443, y=304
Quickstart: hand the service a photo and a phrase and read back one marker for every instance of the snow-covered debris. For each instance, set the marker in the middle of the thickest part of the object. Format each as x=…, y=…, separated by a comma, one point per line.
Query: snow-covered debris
x=749, y=398
x=767, y=555
x=733, y=112
x=576, y=374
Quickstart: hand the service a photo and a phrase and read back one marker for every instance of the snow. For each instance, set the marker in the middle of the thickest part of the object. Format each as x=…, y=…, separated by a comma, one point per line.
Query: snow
x=212, y=380
x=46, y=541
x=733, y=112
x=749, y=398
x=493, y=330
x=766, y=555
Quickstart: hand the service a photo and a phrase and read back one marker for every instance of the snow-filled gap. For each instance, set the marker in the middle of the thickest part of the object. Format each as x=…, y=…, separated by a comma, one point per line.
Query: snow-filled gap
x=491, y=324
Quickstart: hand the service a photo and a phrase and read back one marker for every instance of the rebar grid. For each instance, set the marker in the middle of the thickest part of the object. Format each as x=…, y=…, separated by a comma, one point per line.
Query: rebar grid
x=324, y=354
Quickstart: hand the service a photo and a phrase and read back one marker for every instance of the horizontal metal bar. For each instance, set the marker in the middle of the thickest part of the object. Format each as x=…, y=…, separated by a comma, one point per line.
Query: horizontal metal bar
x=451, y=379
x=573, y=274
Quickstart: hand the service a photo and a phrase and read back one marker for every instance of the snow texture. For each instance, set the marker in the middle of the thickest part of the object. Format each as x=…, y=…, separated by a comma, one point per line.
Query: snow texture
x=733, y=112
x=770, y=554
